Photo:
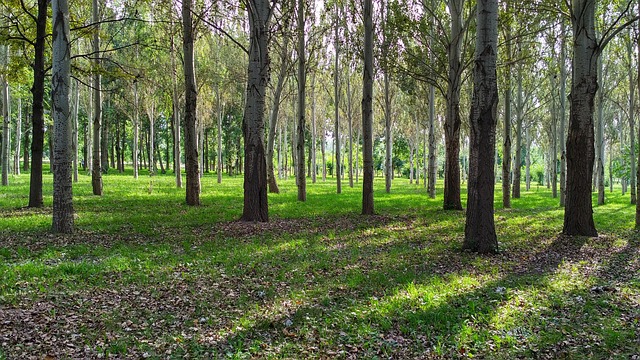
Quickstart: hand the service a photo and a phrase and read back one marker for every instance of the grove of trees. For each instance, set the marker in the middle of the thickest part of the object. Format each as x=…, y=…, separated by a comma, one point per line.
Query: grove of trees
x=325, y=91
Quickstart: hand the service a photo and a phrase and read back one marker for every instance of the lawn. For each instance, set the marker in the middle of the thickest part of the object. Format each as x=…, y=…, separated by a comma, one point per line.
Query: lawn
x=146, y=276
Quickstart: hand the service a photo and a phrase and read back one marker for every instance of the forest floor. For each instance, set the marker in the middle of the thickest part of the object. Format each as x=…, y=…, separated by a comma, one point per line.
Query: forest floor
x=146, y=276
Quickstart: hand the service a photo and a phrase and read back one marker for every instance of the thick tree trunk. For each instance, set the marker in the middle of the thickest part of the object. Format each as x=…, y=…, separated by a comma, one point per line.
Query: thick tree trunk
x=367, y=111
x=6, y=113
x=63, y=149
x=96, y=168
x=578, y=216
x=480, y=234
x=37, y=113
x=301, y=176
x=452, y=120
x=273, y=118
x=255, y=170
x=192, y=162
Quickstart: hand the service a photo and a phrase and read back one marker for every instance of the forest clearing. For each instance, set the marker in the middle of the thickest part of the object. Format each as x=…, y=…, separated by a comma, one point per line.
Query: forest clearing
x=147, y=276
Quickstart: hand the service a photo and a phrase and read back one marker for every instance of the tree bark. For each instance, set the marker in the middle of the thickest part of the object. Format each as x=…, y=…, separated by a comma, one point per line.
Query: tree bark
x=74, y=123
x=599, y=174
x=136, y=126
x=255, y=170
x=302, y=179
x=367, y=112
x=192, y=163
x=517, y=161
x=96, y=168
x=632, y=121
x=563, y=116
x=6, y=113
x=480, y=234
x=220, y=115
x=63, y=155
x=17, y=152
x=175, y=116
x=506, y=135
x=37, y=113
x=273, y=118
x=452, y=120
x=578, y=216
x=336, y=98
x=314, y=138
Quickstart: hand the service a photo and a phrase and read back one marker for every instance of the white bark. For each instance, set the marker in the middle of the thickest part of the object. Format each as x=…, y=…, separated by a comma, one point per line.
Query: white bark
x=6, y=113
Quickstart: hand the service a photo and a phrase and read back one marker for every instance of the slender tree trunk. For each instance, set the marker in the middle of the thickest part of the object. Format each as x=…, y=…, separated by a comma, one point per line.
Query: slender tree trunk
x=638, y=164
x=177, y=166
x=96, y=169
x=104, y=144
x=63, y=148
x=480, y=234
x=74, y=122
x=357, y=157
x=527, y=162
x=563, y=116
x=151, y=113
x=6, y=113
x=191, y=99
x=314, y=138
x=16, y=154
x=632, y=122
x=136, y=125
x=220, y=115
x=89, y=129
x=554, y=140
x=273, y=118
x=517, y=162
x=336, y=97
x=578, y=216
x=388, y=159
x=350, y=123
x=255, y=169
x=323, y=150
x=25, y=151
x=433, y=168
x=302, y=179
x=452, y=120
x=506, y=135
x=37, y=113
x=367, y=111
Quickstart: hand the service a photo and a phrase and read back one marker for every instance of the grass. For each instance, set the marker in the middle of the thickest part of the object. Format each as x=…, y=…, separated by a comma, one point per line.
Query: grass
x=147, y=276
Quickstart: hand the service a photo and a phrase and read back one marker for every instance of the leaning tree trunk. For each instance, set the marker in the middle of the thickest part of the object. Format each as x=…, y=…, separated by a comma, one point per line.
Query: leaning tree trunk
x=37, y=112
x=479, y=232
x=63, y=155
x=302, y=180
x=367, y=112
x=578, y=216
x=452, y=121
x=96, y=168
x=273, y=118
x=255, y=170
x=192, y=163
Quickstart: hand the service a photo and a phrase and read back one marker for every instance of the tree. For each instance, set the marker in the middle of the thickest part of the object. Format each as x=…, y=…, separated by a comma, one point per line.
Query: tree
x=191, y=100
x=506, y=136
x=479, y=232
x=96, y=167
x=255, y=170
x=367, y=112
x=578, y=216
x=6, y=113
x=302, y=182
x=63, y=156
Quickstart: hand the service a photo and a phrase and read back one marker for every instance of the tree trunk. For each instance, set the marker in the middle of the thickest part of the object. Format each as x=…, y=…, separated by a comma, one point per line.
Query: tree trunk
x=255, y=170
x=367, y=111
x=638, y=164
x=63, y=155
x=219, y=154
x=563, y=116
x=25, y=151
x=302, y=180
x=104, y=144
x=192, y=162
x=432, y=167
x=517, y=161
x=388, y=159
x=96, y=169
x=74, y=123
x=323, y=150
x=350, y=124
x=136, y=125
x=527, y=161
x=452, y=120
x=578, y=216
x=175, y=117
x=37, y=113
x=6, y=113
x=336, y=98
x=506, y=135
x=480, y=234
x=632, y=122
x=273, y=118
x=151, y=113
x=16, y=154
x=554, y=139
x=314, y=138
x=599, y=173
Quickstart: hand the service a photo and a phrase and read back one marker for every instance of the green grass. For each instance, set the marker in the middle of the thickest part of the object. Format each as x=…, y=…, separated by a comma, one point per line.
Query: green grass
x=147, y=276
